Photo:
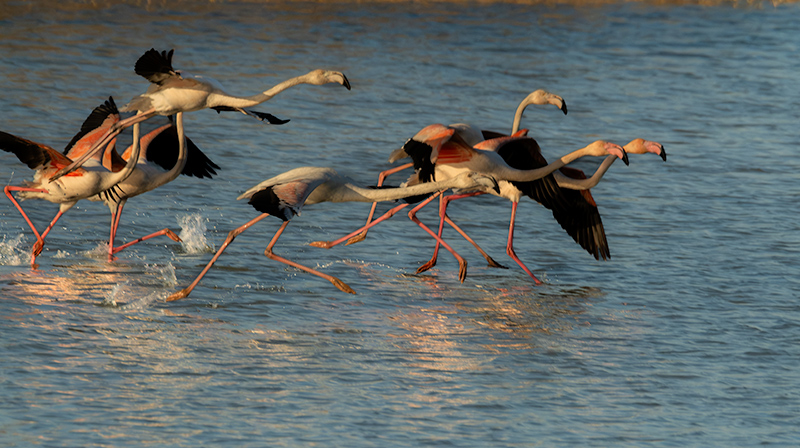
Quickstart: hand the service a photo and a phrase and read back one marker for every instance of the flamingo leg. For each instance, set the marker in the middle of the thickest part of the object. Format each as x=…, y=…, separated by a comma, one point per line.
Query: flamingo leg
x=462, y=263
x=268, y=252
x=492, y=263
x=360, y=237
x=432, y=262
x=114, y=225
x=443, y=203
x=167, y=232
x=39, y=244
x=231, y=236
x=387, y=215
x=510, y=248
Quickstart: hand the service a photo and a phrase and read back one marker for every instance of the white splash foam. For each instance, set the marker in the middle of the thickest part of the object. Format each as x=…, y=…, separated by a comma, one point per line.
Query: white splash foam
x=193, y=234
x=13, y=251
x=164, y=274
x=62, y=254
x=108, y=300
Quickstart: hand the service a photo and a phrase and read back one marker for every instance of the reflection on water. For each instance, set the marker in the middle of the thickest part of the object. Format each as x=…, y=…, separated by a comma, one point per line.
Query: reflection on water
x=687, y=336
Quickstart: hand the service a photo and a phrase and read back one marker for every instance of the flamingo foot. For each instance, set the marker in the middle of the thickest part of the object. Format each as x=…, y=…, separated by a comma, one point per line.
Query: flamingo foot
x=462, y=270
x=341, y=285
x=321, y=244
x=356, y=239
x=178, y=295
x=171, y=235
x=38, y=246
x=426, y=266
x=494, y=264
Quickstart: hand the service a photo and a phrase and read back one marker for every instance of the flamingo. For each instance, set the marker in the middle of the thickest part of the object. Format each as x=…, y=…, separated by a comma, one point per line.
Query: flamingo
x=440, y=152
x=285, y=195
x=577, y=212
x=173, y=91
x=161, y=160
x=83, y=183
x=539, y=97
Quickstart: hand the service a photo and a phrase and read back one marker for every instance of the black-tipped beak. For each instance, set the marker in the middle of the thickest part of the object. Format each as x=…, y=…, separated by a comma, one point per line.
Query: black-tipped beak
x=346, y=82
x=564, y=107
x=663, y=154
x=625, y=157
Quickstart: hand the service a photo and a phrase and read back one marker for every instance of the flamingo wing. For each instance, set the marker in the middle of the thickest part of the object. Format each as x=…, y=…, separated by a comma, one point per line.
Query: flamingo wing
x=161, y=148
x=284, y=195
x=582, y=221
x=576, y=212
x=156, y=67
x=36, y=155
x=93, y=128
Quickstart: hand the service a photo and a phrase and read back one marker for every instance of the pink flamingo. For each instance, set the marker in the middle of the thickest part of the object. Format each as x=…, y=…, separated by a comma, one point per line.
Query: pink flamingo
x=470, y=134
x=284, y=196
x=83, y=183
x=571, y=202
x=161, y=160
x=440, y=152
x=172, y=91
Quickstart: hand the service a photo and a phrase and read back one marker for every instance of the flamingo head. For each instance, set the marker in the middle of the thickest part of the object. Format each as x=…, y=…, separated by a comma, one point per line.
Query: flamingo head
x=642, y=146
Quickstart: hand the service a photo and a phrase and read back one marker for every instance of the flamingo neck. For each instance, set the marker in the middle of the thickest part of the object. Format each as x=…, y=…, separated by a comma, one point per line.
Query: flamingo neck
x=353, y=193
x=586, y=184
x=254, y=100
x=518, y=115
x=505, y=172
x=115, y=178
x=180, y=164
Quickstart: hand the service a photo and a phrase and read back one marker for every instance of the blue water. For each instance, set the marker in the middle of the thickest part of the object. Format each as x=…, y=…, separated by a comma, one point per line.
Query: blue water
x=688, y=336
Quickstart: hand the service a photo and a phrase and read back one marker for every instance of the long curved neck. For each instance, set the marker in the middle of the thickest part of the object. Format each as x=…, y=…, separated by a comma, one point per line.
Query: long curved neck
x=115, y=178
x=518, y=115
x=354, y=193
x=505, y=172
x=180, y=164
x=254, y=100
x=585, y=184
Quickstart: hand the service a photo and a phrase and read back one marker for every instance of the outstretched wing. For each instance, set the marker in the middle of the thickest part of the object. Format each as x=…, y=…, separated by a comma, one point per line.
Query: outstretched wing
x=574, y=210
x=155, y=67
x=35, y=155
x=161, y=148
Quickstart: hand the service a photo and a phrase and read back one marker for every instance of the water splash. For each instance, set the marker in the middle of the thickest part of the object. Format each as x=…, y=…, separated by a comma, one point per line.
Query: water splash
x=165, y=275
x=193, y=234
x=109, y=299
x=13, y=251
x=62, y=254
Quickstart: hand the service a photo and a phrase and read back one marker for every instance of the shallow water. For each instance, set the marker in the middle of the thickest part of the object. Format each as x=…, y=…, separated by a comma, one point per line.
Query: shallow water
x=688, y=336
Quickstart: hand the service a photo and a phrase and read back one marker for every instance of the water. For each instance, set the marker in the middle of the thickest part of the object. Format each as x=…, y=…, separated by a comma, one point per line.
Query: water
x=688, y=336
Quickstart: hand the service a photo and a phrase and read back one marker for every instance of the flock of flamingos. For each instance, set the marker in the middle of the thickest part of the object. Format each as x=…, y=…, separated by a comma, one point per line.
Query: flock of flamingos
x=457, y=157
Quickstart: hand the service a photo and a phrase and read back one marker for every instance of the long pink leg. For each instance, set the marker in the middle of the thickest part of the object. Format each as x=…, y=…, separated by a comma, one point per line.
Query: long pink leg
x=387, y=215
x=39, y=244
x=443, y=203
x=381, y=178
x=115, y=224
x=268, y=252
x=510, y=248
x=492, y=263
x=462, y=263
x=231, y=236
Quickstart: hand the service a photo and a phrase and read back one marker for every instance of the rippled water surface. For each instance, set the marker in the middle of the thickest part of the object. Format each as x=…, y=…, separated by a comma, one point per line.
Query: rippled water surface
x=688, y=336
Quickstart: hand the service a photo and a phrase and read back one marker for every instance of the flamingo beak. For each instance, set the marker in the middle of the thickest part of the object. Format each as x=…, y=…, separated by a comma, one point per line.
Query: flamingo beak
x=345, y=82
x=663, y=154
x=564, y=107
x=618, y=151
